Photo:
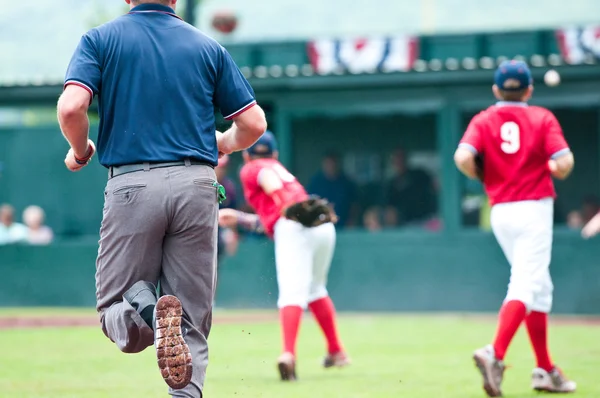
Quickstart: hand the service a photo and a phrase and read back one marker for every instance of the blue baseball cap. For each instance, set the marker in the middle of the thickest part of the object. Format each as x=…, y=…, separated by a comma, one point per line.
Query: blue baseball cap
x=513, y=76
x=265, y=145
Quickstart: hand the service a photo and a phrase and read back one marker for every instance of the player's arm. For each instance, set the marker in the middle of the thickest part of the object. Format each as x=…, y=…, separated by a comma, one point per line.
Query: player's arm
x=561, y=166
x=229, y=218
x=561, y=161
x=271, y=184
x=469, y=149
x=464, y=159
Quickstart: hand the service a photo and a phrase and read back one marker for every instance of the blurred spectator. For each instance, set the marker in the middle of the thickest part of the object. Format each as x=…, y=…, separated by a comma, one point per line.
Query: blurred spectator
x=11, y=231
x=589, y=207
x=332, y=184
x=372, y=219
x=38, y=234
x=410, y=192
x=575, y=220
x=390, y=217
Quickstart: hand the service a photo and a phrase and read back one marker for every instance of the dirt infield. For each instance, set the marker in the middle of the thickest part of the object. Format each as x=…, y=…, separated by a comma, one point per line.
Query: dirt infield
x=28, y=322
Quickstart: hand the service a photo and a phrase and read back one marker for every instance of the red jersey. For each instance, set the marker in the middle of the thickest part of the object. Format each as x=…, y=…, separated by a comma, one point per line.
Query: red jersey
x=267, y=210
x=516, y=142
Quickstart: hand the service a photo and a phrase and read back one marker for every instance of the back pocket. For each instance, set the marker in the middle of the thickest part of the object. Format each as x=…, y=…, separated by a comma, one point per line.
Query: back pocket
x=208, y=184
x=128, y=193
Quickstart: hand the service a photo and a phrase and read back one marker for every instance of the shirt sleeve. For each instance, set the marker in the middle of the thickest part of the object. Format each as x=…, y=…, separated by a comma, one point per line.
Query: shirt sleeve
x=233, y=94
x=472, y=140
x=555, y=143
x=84, y=68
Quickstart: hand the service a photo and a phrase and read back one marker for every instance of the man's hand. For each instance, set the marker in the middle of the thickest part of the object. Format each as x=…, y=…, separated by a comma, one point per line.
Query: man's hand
x=228, y=218
x=76, y=163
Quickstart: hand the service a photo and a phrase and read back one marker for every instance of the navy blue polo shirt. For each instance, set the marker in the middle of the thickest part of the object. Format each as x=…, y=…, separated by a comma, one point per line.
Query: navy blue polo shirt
x=158, y=80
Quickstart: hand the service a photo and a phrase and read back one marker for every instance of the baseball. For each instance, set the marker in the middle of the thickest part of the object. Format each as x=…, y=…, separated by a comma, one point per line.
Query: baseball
x=552, y=78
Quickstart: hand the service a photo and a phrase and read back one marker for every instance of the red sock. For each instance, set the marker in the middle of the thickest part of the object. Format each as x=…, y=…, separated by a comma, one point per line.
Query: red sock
x=537, y=327
x=290, y=325
x=324, y=312
x=510, y=317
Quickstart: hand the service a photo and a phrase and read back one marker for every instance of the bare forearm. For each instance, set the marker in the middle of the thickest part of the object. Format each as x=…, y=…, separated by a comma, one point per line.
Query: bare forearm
x=245, y=130
x=562, y=167
x=465, y=162
x=237, y=139
x=249, y=222
x=468, y=169
x=75, y=127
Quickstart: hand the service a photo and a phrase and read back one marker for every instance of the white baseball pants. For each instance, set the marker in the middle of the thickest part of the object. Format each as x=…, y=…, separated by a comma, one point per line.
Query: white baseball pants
x=524, y=232
x=303, y=258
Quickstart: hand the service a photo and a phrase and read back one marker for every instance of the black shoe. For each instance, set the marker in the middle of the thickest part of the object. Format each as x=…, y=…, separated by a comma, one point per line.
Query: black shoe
x=142, y=296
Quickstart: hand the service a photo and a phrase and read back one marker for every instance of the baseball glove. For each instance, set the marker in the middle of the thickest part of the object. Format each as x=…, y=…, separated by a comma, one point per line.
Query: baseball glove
x=479, y=167
x=311, y=212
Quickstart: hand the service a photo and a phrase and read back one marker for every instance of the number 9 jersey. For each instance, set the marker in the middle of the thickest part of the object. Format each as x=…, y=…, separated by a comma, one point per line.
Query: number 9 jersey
x=266, y=208
x=516, y=142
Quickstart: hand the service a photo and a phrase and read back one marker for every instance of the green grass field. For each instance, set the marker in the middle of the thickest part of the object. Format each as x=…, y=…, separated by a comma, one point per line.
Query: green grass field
x=394, y=356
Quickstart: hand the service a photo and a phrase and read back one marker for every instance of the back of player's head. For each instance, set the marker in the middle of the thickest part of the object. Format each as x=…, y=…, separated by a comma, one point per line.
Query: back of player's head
x=513, y=76
x=513, y=80
x=265, y=147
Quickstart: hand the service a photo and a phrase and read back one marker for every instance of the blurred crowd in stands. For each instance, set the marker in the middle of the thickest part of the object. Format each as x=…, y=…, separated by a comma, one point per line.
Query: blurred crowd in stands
x=406, y=197
x=30, y=231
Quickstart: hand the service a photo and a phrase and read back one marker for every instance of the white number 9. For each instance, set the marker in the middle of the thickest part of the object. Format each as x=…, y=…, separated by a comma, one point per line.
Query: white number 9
x=511, y=137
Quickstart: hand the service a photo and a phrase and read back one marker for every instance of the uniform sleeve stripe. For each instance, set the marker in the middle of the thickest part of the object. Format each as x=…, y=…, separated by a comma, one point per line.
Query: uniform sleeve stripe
x=241, y=110
x=82, y=85
x=560, y=153
x=468, y=147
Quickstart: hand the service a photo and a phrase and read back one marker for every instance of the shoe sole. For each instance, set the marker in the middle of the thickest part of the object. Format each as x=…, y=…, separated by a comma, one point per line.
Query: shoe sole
x=550, y=391
x=287, y=371
x=490, y=390
x=172, y=352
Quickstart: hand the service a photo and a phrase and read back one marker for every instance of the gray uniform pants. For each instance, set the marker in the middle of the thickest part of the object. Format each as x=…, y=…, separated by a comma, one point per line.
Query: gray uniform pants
x=159, y=225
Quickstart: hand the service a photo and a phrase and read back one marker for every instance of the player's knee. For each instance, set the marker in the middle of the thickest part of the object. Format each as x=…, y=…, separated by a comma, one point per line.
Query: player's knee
x=317, y=294
x=288, y=301
x=542, y=302
x=522, y=294
x=298, y=296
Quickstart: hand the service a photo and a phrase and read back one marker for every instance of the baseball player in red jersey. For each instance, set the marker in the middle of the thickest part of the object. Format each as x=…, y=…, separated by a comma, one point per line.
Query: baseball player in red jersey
x=304, y=235
x=516, y=149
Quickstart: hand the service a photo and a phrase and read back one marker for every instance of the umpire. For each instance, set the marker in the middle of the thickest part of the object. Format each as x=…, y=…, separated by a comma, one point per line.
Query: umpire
x=158, y=81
